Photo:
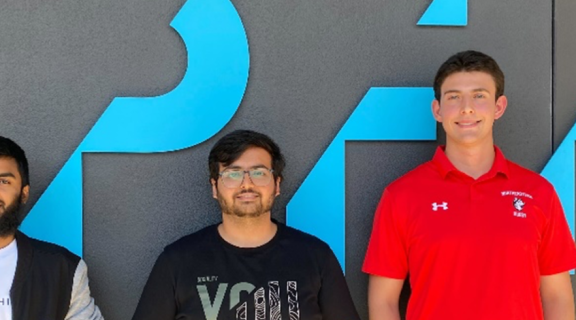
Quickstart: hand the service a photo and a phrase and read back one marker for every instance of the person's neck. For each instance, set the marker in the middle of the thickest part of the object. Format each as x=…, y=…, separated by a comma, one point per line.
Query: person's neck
x=247, y=232
x=474, y=161
x=5, y=241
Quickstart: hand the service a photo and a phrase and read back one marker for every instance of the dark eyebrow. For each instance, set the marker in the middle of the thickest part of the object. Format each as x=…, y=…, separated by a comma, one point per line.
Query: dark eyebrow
x=451, y=91
x=474, y=90
x=240, y=168
x=7, y=174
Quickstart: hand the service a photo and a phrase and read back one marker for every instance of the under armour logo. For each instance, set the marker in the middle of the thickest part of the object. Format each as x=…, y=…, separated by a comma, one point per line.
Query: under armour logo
x=443, y=205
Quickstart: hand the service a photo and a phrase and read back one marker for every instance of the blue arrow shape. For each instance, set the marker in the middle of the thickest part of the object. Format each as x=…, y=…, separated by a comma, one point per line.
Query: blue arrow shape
x=200, y=106
x=445, y=13
x=400, y=114
x=560, y=172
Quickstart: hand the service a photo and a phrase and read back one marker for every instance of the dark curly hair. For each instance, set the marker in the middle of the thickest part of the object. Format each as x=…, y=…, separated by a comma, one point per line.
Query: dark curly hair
x=9, y=149
x=230, y=147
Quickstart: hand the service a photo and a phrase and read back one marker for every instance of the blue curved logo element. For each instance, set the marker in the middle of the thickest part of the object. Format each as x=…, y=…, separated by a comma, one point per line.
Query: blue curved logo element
x=560, y=172
x=200, y=106
x=398, y=114
x=445, y=13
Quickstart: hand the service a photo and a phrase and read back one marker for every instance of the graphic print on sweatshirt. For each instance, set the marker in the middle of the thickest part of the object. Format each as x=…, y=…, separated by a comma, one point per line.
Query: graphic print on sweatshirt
x=243, y=300
x=5, y=307
x=8, y=261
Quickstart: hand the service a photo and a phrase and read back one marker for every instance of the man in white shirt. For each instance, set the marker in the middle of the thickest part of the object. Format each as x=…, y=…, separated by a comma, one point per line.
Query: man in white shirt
x=38, y=280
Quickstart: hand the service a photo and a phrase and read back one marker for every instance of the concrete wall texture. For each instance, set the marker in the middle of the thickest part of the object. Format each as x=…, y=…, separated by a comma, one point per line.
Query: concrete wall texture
x=311, y=63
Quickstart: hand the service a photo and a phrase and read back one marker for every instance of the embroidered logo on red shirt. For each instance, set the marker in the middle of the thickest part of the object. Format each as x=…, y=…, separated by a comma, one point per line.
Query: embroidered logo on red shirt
x=443, y=205
x=519, y=205
x=516, y=194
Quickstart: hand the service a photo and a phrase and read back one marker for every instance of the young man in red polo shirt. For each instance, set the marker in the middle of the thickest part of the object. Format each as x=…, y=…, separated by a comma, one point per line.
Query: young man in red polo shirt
x=480, y=236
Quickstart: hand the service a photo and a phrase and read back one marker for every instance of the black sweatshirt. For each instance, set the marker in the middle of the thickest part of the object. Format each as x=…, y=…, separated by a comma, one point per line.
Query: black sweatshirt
x=293, y=276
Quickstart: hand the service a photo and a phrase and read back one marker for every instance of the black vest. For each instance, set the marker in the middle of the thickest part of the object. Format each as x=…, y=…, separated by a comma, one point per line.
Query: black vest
x=42, y=285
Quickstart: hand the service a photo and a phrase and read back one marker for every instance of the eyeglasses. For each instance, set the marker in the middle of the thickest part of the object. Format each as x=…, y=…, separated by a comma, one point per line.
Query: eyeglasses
x=233, y=178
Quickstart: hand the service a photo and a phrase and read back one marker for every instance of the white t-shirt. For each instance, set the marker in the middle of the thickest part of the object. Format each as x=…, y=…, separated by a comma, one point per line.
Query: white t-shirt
x=8, y=260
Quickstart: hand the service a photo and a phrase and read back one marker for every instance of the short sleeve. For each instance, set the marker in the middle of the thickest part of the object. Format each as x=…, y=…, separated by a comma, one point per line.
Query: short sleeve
x=557, y=251
x=387, y=249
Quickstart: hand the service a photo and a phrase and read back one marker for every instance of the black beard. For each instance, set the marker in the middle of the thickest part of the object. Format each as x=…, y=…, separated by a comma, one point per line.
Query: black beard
x=11, y=218
x=231, y=209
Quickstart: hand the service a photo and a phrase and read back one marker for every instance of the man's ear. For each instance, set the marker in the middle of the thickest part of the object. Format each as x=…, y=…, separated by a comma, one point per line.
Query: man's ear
x=214, y=189
x=277, y=182
x=501, y=105
x=436, y=110
x=25, y=194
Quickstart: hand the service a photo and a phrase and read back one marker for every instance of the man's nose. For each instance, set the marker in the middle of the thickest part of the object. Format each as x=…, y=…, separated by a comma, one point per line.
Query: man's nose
x=246, y=181
x=467, y=105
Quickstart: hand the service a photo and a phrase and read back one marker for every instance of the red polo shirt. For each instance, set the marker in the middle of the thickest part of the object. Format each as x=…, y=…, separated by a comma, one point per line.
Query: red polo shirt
x=475, y=249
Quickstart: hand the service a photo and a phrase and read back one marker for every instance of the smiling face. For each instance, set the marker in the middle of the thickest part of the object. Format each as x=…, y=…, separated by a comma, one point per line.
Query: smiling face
x=12, y=195
x=467, y=109
x=247, y=200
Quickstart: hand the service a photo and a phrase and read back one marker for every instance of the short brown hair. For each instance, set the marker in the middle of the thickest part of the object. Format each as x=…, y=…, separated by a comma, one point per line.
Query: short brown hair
x=469, y=61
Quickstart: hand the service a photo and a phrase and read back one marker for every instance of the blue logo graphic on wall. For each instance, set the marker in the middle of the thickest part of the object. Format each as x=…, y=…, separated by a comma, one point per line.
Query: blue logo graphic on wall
x=217, y=74
x=445, y=13
x=398, y=114
x=560, y=171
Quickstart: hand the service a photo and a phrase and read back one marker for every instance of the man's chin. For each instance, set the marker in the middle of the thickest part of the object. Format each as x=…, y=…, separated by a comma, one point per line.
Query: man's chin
x=247, y=214
x=8, y=229
x=9, y=226
x=10, y=219
x=7, y=235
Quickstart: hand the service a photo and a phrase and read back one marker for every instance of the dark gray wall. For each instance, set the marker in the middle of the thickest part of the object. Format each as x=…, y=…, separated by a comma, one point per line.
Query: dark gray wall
x=62, y=62
x=564, y=112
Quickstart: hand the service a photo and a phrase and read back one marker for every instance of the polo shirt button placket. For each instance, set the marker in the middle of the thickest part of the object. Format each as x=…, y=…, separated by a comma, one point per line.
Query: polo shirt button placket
x=471, y=197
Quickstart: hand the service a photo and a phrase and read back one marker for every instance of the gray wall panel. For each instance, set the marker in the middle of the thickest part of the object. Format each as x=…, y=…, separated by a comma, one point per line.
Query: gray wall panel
x=62, y=62
x=370, y=167
x=564, y=80
x=135, y=205
x=564, y=116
